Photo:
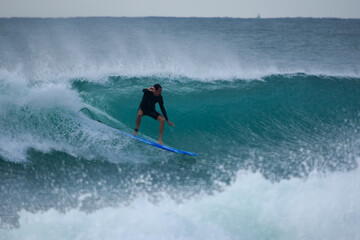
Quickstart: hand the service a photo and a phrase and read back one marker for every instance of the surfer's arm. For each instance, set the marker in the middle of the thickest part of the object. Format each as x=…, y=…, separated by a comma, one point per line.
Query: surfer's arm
x=149, y=89
x=161, y=104
x=164, y=113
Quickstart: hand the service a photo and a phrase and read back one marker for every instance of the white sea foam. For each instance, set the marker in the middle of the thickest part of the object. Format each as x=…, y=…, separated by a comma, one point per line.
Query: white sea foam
x=45, y=116
x=321, y=207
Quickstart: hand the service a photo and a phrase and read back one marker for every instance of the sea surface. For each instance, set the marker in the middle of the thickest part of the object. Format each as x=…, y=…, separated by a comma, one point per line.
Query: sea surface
x=271, y=107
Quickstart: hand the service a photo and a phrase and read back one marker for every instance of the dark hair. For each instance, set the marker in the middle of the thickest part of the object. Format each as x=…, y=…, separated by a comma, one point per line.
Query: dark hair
x=157, y=86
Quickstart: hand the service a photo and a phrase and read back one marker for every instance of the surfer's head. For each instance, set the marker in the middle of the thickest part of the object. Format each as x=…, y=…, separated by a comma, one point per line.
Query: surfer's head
x=158, y=89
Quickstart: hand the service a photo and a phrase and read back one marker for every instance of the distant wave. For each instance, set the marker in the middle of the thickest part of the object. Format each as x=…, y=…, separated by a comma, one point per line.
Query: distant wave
x=204, y=49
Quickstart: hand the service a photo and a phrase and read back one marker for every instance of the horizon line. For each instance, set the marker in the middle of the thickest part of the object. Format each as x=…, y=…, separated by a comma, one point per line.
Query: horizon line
x=193, y=17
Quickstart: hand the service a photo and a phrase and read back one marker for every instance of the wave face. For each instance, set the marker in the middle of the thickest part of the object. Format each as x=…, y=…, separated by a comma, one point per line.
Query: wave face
x=272, y=107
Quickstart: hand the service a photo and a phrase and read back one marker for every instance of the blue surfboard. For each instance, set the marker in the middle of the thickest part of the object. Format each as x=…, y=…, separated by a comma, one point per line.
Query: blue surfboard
x=167, y=148
x=155, y=144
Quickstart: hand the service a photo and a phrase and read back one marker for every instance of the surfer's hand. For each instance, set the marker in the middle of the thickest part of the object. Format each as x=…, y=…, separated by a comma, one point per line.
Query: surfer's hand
x=170, y=123
x=151, y=89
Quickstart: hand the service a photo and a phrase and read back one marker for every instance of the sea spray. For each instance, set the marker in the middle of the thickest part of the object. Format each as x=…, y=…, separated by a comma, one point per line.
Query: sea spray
x=270, y=106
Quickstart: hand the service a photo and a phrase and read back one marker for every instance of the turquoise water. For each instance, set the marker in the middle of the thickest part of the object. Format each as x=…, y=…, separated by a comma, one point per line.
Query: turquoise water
x=271, y=106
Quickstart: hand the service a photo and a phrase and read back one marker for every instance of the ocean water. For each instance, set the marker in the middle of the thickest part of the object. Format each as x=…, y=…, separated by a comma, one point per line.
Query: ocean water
x=272, y=107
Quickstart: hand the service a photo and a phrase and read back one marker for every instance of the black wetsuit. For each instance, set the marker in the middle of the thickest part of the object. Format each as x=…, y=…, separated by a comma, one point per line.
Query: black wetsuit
x=148, y=102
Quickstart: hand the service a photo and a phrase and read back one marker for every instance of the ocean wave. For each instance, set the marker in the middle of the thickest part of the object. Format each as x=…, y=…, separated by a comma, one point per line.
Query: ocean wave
x=94, y=48
x=267, y=105
x=297, y=110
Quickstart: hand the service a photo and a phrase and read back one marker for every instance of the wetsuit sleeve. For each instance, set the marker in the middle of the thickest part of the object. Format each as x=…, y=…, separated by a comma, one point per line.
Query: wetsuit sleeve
x=161, y=103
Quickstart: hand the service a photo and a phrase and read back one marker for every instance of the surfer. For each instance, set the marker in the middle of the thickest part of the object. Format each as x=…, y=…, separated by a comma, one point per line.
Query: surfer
x=152, y=95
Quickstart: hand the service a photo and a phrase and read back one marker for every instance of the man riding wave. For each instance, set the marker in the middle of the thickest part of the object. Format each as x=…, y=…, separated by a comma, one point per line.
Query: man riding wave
x=152, y=95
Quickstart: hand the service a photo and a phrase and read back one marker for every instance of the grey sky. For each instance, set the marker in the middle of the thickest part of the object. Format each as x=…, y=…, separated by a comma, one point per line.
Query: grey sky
x=181, y=8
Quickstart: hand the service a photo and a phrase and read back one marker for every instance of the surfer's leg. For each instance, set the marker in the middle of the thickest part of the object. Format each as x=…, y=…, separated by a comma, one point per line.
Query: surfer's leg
x=161, y=119
x=138, y=121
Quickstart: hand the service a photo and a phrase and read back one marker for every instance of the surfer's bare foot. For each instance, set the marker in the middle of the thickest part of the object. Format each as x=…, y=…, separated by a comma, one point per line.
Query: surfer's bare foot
x=161, y=142
x=134, y=133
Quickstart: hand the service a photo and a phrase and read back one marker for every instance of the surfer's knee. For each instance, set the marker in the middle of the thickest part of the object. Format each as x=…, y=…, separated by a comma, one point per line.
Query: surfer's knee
x=161, y=119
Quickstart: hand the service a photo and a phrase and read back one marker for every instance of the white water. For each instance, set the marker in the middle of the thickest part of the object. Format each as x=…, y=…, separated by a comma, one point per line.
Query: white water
x=321, y=207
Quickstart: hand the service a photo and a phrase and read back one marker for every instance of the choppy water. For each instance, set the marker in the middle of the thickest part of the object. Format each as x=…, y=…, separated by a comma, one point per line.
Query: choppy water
x=272, y=107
